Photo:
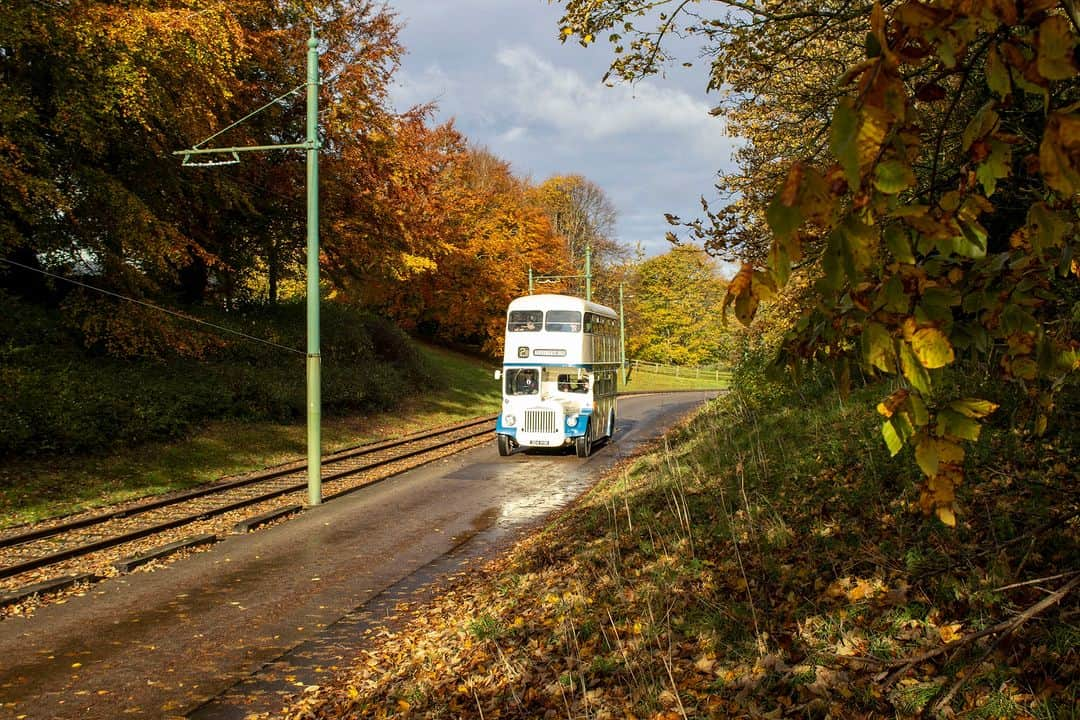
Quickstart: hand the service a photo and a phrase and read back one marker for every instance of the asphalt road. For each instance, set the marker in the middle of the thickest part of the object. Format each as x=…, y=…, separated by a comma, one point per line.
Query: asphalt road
x=234, y=629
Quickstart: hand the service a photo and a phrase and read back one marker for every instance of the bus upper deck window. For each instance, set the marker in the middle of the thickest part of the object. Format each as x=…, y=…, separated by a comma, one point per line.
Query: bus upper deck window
x=563, y=321
x=525, y=321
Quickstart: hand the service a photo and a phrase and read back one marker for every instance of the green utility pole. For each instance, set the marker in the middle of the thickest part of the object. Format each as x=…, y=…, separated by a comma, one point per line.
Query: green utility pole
x=622, y=335
x=314, y=386
x=311, y=145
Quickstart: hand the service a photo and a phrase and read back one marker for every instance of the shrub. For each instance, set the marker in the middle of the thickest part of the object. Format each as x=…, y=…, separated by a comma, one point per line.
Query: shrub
x=61, y=398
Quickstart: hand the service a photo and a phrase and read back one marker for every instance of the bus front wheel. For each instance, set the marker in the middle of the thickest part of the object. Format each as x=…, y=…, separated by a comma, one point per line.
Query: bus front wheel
x=583, y=444
x=504, y=445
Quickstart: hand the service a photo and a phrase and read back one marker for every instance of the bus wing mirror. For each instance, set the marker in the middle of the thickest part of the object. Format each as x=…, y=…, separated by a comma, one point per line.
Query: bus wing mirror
x=498, y=374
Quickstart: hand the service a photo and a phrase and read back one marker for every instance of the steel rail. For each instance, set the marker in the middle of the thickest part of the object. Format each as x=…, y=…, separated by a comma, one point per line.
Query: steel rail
x=261, y=476
x=140, y=533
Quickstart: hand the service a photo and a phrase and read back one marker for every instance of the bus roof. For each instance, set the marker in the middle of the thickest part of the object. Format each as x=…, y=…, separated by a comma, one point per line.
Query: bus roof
x=559, y=302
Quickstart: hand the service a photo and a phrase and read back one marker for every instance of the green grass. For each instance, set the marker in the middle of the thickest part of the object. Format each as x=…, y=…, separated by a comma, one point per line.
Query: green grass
x=644, y=381
x=36, y=489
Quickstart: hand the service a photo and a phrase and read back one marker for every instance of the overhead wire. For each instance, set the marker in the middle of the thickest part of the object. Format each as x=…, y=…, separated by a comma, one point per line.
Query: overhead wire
x=159, y=308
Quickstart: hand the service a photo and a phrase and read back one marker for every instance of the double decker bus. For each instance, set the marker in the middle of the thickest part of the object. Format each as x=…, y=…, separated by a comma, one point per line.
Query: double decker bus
x=560, y=374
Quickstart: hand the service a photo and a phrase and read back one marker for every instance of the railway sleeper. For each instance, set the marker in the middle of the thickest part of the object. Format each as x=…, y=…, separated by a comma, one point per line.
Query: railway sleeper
x=255, y=521
x=46, y=586
x=129, y=564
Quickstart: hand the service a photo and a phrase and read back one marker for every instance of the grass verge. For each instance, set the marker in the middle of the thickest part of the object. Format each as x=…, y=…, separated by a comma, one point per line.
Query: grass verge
x=645, y=381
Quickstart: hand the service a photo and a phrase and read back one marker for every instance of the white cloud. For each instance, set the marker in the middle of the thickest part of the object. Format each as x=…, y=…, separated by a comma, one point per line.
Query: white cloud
x=514, y=134
x=652, y=147
x=562, y=98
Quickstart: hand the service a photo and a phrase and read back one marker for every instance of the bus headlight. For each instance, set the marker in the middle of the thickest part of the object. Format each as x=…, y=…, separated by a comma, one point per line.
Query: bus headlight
x=509, y=420
x=572, y=421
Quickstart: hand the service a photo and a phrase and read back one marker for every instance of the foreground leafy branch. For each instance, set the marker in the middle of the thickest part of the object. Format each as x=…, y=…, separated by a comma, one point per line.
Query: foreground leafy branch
x=930, y=276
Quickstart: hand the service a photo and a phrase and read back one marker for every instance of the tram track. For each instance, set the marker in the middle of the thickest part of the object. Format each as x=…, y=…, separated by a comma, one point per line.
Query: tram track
x=89, y=545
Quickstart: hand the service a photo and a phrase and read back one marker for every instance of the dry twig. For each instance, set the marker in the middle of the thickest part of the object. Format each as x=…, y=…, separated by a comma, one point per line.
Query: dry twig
x=1005, y=628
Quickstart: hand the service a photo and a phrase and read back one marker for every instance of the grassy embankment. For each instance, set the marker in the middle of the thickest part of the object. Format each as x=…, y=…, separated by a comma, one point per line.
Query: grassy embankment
x=768, y=562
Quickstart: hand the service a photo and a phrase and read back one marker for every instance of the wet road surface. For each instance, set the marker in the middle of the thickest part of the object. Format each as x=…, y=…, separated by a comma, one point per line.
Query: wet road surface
x=230, y=631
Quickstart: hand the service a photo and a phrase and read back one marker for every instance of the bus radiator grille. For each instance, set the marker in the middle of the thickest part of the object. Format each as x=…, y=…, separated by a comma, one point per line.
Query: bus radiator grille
x=540, y=421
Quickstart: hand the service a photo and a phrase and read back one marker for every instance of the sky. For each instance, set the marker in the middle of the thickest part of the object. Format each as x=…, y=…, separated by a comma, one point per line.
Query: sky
x=497, y=68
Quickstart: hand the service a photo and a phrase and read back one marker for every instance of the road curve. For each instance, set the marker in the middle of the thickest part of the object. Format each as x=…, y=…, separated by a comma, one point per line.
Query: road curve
x=173, y=642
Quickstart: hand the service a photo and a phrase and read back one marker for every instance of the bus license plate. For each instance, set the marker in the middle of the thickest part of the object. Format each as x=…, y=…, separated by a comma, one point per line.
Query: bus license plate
x=540, y=442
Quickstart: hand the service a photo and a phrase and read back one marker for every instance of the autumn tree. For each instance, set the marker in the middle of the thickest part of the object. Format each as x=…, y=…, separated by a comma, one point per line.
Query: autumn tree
x=937, y=212
x=96, y=98
x=581, y=212
x=496, y=230
x=673, y=309
x=774, y=64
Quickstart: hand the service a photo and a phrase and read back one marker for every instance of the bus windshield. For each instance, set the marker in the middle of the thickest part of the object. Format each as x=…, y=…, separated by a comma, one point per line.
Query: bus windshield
x=563, y=321
x=522, y=382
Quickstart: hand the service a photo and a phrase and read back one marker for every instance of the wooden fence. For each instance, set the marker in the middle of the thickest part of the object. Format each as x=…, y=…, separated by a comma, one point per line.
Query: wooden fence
x=680, y=371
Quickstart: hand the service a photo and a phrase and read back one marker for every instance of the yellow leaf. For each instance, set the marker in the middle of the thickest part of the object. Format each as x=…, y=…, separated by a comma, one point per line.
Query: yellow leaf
x=932, y=348
x=875, y=124
x=926, y=455
x=913, y=369
x=946, y=516
x=973, y=407
x=879, y=351
x=890, y=405
x=949, y=633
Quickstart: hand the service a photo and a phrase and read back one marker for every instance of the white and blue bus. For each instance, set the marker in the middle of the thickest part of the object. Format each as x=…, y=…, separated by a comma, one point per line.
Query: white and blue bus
x=560, y=374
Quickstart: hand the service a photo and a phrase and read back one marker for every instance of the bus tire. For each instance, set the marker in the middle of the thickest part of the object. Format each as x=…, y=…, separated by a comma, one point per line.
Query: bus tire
x=583, y=444
x=504, y=445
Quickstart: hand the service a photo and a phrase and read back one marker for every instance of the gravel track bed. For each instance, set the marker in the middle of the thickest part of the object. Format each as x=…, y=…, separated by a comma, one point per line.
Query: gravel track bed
x=100, y=563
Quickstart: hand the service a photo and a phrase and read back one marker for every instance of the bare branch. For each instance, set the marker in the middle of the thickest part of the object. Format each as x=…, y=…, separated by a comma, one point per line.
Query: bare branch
x=1006, y=627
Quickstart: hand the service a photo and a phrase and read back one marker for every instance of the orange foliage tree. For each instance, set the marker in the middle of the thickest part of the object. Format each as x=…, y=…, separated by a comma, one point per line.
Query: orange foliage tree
x=98, y=95
x=497, y=231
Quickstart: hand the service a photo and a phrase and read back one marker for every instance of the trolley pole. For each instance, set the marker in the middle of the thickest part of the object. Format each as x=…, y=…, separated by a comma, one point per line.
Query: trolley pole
x=314, y=360
x=530, y=281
